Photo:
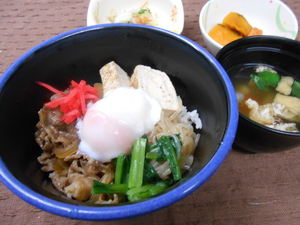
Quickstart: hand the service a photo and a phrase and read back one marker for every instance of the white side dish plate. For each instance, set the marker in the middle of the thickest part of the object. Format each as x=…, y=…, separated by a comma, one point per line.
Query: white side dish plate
x=168, y=13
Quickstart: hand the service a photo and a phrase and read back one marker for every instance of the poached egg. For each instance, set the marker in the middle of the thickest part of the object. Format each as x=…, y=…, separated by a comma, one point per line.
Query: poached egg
x=112, y=124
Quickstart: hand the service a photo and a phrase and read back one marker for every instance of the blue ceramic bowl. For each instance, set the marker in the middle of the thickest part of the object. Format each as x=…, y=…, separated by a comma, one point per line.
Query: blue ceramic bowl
x=197, y=76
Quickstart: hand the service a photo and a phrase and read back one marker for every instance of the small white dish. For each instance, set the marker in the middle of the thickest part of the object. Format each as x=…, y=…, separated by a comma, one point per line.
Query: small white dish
x=273, y=17
x=169, y=13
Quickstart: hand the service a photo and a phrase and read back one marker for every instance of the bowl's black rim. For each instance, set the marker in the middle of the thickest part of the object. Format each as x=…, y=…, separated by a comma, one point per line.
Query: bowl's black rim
x=269, y=129
x=130, y=210
x=253, y=43
x=266, y=43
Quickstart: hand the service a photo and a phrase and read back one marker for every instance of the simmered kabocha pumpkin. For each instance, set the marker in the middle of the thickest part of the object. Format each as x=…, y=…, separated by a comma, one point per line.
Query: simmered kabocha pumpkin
x=223, y=35
x=237, y=23
x=233, y=27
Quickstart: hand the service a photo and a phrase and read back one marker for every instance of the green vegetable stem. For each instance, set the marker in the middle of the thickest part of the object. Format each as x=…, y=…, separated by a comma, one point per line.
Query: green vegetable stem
x=169, y=152
x=136, y=170
x=101, y=188
x=120, y=168
x=136, y=177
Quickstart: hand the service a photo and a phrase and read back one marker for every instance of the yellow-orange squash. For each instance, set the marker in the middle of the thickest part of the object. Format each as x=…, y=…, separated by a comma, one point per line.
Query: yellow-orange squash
x=255, y=31
x=223, y=35
x=238, y=23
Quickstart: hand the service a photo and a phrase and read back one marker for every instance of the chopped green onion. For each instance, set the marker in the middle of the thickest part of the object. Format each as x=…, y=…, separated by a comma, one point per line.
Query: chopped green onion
x=168, y=150
x=101, y=188
x=136, y=170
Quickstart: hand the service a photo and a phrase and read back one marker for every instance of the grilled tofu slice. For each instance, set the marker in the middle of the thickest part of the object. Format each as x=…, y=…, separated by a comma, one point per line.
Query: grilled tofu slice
x=113, y=76
x=158, y=85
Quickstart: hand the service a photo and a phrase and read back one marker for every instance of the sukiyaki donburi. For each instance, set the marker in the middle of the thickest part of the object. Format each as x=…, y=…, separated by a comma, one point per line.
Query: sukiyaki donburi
x=125, y=139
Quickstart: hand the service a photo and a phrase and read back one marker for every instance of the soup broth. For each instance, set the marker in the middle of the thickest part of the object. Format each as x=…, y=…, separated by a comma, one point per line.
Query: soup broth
x=242, y=82
x=248, y=88
x=264, y=106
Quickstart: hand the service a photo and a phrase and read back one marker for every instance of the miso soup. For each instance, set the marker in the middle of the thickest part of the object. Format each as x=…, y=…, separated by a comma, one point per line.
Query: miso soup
x=267, y=97
x=248, y=88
